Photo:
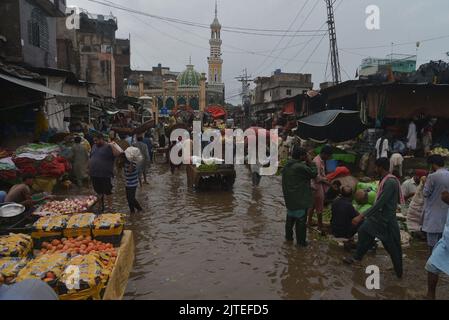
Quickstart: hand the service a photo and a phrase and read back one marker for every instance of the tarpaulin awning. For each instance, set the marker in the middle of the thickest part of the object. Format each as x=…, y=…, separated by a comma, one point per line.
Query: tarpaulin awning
x=331, y=125
x=216, y=111
x=289, y=108
x=62, y=97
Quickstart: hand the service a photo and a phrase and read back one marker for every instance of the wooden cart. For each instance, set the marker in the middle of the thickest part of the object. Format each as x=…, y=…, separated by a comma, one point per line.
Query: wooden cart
x=226, y=174
x=118, y=280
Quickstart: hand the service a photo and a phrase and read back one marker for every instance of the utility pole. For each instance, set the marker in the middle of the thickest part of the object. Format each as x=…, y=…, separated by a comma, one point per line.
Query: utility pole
x=335, y=60
x=246, y=102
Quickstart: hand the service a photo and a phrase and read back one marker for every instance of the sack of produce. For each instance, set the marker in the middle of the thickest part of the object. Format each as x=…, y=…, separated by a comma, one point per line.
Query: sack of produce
x=49, y=227
x=47, y=267
x=84, y=277
x=15, y=245
x=79, y=224
x=10, y=267
x=108, y=227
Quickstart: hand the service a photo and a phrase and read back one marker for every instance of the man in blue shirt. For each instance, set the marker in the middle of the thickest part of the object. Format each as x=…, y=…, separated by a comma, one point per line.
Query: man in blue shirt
x=101, y=169
x=435, y=210
x=439, y=260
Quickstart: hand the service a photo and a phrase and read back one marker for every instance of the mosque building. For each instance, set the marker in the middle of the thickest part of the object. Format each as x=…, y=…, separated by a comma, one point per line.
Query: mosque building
x=187, y=88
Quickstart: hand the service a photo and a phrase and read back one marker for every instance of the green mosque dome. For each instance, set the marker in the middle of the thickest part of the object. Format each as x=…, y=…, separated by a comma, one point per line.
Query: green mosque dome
x=189, y=78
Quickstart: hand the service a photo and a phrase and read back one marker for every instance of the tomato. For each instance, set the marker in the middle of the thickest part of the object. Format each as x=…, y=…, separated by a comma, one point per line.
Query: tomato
x=60, y=246
x=55, y=242
x=45, y=244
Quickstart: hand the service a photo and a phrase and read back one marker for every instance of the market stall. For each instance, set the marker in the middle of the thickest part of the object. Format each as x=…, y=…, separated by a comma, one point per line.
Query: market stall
x=43, y=161
x=81, y=256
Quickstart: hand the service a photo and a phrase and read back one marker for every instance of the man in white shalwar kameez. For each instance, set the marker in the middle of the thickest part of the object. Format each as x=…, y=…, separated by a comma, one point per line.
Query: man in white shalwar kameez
x=411, y=136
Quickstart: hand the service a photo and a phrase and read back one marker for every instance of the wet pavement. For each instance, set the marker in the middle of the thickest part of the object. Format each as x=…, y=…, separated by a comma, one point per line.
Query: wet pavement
x=230, y=245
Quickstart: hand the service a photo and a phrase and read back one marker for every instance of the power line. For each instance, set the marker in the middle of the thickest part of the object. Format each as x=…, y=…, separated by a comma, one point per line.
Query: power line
x=242, y=51
x=280, y=41
x=308, y=42
x=400, y=43
x=206, y=48
x=313, y=52
x=239, y=30
x=302, y=24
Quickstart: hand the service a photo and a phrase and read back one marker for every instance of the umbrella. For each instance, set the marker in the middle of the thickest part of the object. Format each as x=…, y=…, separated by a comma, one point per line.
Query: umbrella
x=331, y=125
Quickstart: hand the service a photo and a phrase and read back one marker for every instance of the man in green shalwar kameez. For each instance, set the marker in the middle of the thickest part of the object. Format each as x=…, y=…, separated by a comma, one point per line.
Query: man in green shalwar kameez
x=296, y=186
x=380, y=221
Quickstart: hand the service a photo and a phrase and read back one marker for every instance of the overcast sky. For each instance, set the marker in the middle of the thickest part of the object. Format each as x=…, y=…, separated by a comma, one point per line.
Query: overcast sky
x=154, y=41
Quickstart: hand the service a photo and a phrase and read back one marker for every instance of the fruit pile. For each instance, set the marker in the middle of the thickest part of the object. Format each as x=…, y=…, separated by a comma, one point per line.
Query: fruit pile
x=440, y=151
x=69, y=206
x=81, y=245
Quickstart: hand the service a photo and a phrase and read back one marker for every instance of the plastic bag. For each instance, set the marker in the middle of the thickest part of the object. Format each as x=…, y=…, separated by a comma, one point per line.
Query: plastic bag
x=79, y=225
x=84, y=277
x=109, y=224
x=49, y=226
x=10, y=267
x=47, y=267
x=15, y=245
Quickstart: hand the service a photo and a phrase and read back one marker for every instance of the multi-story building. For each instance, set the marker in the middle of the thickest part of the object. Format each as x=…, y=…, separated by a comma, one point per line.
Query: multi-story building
x=400, y=63
x=31, y=86
x=281, y=86
x=89, y=52
x=28, y=31
x=122, y=57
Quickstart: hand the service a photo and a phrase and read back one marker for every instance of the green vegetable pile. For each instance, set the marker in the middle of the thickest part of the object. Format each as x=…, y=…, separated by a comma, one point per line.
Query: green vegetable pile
x=208, y=167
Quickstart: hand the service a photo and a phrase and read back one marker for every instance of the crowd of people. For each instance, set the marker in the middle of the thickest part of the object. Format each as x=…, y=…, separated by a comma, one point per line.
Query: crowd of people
x=425, y=196
x=306, y=188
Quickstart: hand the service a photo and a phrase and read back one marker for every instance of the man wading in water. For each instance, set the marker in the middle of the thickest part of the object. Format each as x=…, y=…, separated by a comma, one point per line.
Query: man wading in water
x=380, y=221
x=296, y=178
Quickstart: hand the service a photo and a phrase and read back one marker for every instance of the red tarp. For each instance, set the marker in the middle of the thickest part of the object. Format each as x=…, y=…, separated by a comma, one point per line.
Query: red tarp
x=216, y=111
x=289, y=108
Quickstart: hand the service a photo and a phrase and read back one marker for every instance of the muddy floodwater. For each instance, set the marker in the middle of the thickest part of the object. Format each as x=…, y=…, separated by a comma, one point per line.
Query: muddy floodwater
x=230, y=245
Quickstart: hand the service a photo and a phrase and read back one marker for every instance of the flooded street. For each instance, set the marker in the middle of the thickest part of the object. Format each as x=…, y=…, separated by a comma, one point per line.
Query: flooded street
x=230, y=245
